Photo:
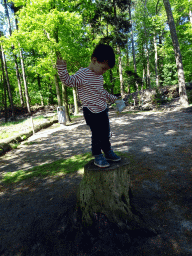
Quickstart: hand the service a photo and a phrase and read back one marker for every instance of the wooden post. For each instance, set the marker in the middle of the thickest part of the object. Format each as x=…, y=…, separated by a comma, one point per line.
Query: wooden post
x=32, y=124
x=107, y=191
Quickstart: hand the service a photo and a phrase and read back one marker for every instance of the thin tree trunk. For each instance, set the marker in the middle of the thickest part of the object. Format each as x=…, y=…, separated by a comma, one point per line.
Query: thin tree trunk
x=65, y=102
x=156, y=61
x=18, y=74
x=148, y=71
x=120, y=72
x=133, y=47
x=111, y=80
x=127, y=51
x=19, y=82
x=143, y=79
x=160, y=63
x=147, y=50
x=75, y=102
x=178, y=57
x=25, y=83
x=39, y=85
x=50, y=99
x=5, y=88
x=57, y=91
x=190, y=15
x=15, y=57
x=8, y=84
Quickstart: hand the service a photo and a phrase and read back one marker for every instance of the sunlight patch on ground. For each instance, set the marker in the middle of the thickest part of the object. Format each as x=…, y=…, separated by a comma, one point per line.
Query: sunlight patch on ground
x=162, y=145
x=81, y=171
x=138, y=117
x=46, y=132
x=119, y=121
x=170, y=132
x=147, y=150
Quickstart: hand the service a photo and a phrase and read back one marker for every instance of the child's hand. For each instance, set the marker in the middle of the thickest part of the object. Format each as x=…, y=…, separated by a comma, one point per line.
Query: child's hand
x=60, y=61
x=120, y=105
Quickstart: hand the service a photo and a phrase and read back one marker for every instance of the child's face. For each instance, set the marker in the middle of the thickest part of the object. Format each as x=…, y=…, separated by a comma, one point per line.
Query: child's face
x=100, y=68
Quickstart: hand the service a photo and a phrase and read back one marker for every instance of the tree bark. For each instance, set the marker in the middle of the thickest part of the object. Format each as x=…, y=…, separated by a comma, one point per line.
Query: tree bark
x=39, y=85
x=19, y=82
x=147, y=50
x=156, y=61
x=25, y=83
x=190, y=16
x=120, y=72
x=76, y=112
x=65, y=102
x=15, y=57
x=133, y=47
x=178, y=57
x=5, y=87
x=57, y=90
x=107, y=191
x=17, y=73
x=112, y=81
x=8, y=84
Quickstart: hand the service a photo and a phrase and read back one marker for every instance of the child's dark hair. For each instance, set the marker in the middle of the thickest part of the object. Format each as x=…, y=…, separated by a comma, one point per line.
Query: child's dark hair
x=104, y=53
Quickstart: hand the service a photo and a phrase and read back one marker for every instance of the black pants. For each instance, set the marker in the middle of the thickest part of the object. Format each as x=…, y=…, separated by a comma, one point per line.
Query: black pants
x=99, y=125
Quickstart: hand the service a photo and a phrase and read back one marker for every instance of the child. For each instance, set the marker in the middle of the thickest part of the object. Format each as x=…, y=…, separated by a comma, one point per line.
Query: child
x=89, y=83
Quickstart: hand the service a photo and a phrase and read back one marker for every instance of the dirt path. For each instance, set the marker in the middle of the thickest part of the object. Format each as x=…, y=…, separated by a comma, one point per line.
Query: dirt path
x=159, y=143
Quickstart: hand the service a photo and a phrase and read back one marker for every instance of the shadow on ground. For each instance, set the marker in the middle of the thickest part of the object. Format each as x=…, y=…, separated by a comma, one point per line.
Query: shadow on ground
x=36, y=215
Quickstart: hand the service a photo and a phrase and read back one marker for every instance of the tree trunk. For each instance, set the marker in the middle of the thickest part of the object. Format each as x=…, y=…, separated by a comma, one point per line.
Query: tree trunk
x=25, y=83
x=111, y=80
x=39, y=85
x=50, y=99
x=7, y=15
x=8, y=84
x=17, y=73
x=156, y=61
x=19, y=82
x=147, y=50
x=107, y=191
x=160, y=62
x=143, y=79
x=178, y=57
x=57, y=91
x=120, y=72
x=76, y=112
x=15, y=57
x=133, y=47
x=65, y=102
x=5, y=88
x=190, y=16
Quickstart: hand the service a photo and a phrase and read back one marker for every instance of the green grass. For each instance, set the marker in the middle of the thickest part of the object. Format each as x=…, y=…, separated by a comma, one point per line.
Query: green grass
x=15, y=126
x=57, y=168
x=12, y=123
x=5, y=134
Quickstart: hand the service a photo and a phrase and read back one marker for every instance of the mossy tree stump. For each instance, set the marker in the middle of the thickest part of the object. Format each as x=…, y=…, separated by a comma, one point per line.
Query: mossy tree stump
x=107, y=191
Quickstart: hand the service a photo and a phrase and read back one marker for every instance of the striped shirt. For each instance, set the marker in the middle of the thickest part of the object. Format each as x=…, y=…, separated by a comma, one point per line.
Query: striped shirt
x=89, y=86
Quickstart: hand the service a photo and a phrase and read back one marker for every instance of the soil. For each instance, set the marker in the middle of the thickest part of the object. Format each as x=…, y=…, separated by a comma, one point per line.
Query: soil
x=37, y=216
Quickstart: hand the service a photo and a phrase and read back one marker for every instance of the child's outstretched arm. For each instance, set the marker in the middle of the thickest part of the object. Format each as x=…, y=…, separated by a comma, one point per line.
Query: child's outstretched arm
x=110, y=97
x=72, y=81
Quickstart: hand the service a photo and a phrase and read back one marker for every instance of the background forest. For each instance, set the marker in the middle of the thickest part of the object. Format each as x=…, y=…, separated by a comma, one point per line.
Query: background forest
x=34, y=33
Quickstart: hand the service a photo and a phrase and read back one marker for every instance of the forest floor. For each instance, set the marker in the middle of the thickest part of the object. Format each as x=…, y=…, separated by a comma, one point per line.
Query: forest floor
x=34, y=213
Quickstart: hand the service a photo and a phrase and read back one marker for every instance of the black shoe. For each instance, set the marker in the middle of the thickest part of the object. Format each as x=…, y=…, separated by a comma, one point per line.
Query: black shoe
x=100, y=161
x=112, y=156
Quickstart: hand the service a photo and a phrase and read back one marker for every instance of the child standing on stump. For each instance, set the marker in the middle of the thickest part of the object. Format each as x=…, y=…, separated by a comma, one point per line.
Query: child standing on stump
x=89, y=83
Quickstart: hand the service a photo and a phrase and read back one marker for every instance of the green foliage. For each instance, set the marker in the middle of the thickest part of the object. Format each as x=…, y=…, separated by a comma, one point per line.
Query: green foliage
x=169, y=74
x=73, y=28
x=189, y=94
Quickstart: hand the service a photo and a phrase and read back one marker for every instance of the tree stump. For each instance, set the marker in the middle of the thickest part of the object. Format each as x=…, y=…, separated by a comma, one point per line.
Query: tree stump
x=107, y=191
